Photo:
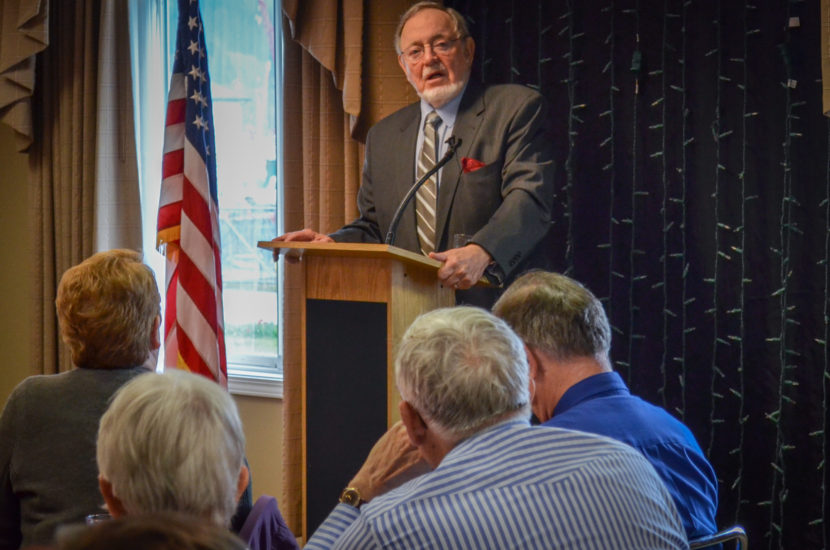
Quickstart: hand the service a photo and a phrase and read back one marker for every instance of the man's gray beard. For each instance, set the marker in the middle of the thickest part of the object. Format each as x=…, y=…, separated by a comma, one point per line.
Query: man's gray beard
x=438, y=97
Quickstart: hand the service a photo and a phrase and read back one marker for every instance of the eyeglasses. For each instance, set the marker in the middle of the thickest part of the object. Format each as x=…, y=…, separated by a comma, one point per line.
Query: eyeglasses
x=442, y=46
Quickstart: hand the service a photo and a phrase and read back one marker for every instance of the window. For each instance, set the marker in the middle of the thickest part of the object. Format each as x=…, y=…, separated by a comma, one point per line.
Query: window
x=244, y=60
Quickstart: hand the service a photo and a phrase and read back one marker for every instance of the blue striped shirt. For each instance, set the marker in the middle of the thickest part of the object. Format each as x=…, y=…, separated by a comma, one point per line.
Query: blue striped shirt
x=517, y=486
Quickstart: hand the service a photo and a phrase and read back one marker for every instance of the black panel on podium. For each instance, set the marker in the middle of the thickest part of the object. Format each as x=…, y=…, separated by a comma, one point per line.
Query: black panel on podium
x=346, y=403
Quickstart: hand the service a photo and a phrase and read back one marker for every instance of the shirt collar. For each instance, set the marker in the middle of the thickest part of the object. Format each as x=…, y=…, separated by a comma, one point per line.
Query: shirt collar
x=598, y=385
x=472, y=445
x=448, y=111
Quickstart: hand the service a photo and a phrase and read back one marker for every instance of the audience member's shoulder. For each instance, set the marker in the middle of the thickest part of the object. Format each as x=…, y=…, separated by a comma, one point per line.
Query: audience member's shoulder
x=35, y=384
x=151, y=532
x=668, y=423
x=589, y=440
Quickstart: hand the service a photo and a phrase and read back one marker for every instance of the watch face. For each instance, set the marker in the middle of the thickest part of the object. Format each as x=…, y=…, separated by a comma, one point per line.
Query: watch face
x=350, y=496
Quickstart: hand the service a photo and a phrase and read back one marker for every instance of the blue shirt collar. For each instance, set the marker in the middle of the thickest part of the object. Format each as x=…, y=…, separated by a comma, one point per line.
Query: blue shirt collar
x=448, y=111
x=598, y=385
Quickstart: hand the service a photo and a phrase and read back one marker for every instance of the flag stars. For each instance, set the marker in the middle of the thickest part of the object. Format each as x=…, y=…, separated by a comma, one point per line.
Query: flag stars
x=196, y=73
x=199, y=98
x=194, y=48
x=201, y=123
x=192, y=22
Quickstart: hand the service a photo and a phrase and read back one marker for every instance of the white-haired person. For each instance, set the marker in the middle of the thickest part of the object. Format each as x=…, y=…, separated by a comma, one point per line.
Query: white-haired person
x=496, y=481
x=172, y=442
x=108, y=310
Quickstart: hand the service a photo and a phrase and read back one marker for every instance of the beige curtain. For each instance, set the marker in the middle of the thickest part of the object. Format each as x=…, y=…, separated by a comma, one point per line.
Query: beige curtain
x=24, y=31
x=83, y=153
x=341, y=76
x=117, y=194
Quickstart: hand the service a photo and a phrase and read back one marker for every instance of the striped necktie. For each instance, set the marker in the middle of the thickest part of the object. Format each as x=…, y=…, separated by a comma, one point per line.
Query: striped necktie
x=426, y=199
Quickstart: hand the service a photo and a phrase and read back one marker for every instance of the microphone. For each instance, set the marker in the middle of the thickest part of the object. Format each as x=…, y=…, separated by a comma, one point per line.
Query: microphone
x=453, y=143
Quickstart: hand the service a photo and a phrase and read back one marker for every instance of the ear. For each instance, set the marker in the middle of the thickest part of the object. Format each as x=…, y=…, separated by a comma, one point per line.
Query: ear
x=533, y=363
x=469, y=49
x=155, y=341
x=114, y=505
x=242, y=482
x=403, y=66
x=416, y=428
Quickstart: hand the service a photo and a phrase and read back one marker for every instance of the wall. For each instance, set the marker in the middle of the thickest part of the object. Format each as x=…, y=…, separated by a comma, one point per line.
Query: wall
x=15, y=282
x=263, y=431
x=261, y=417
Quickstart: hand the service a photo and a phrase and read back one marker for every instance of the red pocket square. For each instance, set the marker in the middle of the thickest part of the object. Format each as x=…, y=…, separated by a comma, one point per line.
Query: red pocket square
x=471, y=165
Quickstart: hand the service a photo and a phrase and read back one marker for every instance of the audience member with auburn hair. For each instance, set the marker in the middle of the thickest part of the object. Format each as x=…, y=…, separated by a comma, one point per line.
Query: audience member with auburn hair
x=172, y=442
x=108, y=309
x=167, y=531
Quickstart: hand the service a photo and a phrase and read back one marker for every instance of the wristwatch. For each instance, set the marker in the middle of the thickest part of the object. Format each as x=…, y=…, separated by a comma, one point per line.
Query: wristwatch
x=351, y=496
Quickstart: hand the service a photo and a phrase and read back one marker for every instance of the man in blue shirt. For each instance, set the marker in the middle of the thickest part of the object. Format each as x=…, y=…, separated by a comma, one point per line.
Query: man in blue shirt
x=495, y=481
x=568, y=338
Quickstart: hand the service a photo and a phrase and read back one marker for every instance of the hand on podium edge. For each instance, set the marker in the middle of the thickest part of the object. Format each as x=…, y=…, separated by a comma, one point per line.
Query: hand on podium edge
x=393, y=461
x=462, y=267
x=303, y=235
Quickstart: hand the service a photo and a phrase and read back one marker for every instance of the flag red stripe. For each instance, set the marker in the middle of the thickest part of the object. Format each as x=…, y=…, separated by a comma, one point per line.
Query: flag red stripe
x=191, y=356
x=197, y=210
x=176, y=111
x=198, y=288
x=172, y=163
x=169, y=215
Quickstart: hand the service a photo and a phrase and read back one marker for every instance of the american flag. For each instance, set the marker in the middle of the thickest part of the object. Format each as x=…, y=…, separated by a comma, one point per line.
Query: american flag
x=188, y=220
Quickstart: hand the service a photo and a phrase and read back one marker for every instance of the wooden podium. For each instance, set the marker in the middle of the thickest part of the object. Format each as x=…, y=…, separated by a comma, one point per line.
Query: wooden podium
x=358, y=299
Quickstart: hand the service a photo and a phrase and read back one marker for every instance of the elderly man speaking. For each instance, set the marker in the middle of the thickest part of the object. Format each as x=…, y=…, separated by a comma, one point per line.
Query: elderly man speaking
x=488, y=210
x=496, y=481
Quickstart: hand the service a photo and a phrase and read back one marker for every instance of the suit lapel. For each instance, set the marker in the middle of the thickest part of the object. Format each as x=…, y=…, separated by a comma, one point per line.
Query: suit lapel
x=407, y=236
x=467, y=122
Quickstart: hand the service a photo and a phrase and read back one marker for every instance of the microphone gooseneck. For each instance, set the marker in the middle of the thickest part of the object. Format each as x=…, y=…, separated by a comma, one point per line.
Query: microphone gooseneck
x=452, y=144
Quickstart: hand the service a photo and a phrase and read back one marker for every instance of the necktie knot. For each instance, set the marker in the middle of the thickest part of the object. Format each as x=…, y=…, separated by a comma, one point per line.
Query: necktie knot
x=432, y=120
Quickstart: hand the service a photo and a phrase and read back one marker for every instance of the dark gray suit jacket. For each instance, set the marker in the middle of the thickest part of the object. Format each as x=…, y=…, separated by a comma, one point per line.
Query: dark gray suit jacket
x=506, y=204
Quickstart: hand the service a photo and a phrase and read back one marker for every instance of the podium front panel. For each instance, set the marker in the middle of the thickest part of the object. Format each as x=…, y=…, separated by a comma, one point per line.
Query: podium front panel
x=346, y=399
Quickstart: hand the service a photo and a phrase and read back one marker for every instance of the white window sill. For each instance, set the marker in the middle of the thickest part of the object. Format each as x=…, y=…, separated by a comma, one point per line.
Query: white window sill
x=257, y=385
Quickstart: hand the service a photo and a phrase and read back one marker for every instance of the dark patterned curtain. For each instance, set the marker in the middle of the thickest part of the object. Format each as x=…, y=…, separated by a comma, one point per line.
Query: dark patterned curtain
x=692, y=196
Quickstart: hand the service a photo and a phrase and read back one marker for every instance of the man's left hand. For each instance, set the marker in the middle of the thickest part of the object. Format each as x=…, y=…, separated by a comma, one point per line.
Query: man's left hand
x=463, y=267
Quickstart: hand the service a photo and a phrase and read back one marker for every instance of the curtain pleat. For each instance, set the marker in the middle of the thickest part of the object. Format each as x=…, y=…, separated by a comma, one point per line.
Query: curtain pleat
x=117, y=196
x=24, y=31
x=74, y=163
x=62, y=166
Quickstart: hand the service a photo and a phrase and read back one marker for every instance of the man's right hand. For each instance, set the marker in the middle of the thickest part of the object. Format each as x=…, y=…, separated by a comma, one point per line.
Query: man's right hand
x=304, y=235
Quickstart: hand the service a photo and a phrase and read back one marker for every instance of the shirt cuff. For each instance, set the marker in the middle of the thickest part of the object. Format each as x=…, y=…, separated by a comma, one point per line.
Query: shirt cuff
x=494, y=274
